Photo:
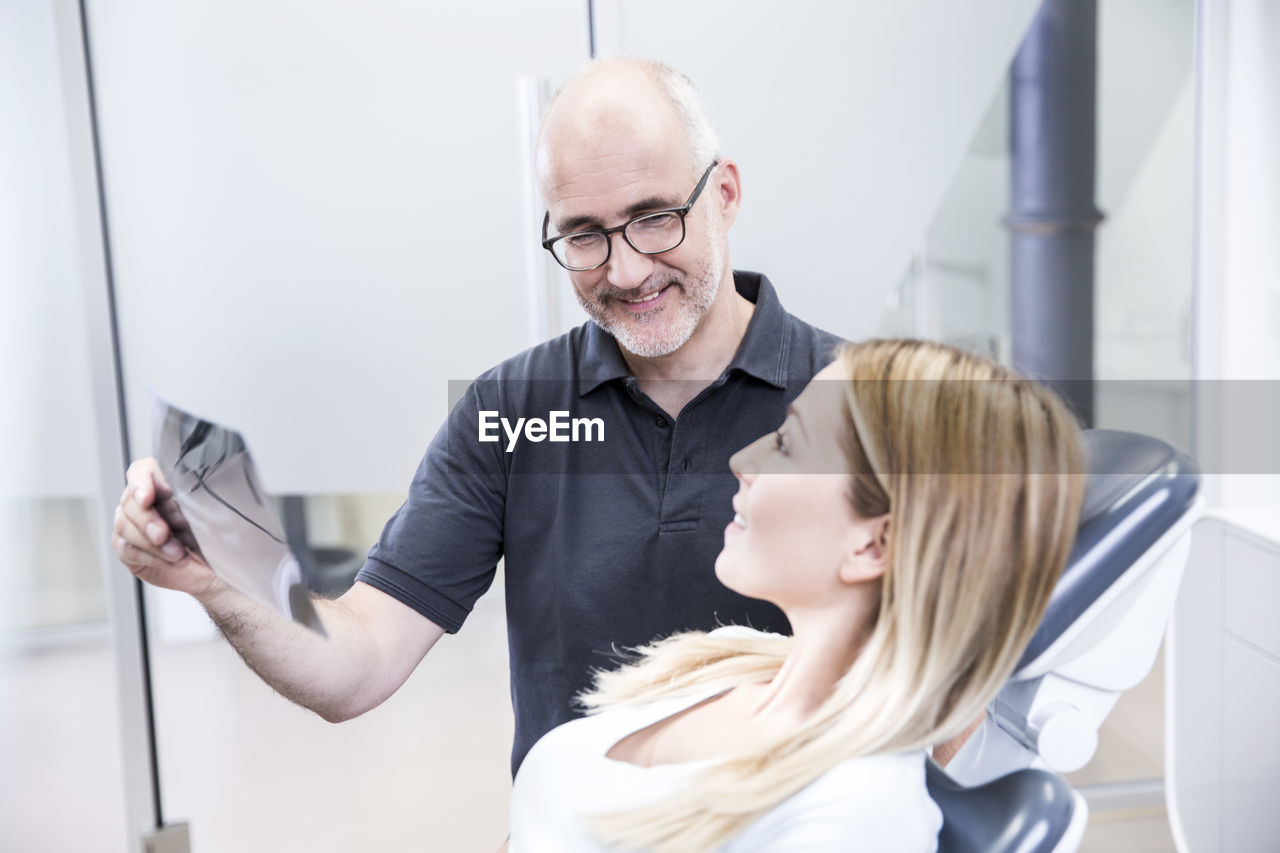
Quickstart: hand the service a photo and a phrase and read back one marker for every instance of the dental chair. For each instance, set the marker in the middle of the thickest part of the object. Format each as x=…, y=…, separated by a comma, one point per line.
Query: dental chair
x=1099, y=637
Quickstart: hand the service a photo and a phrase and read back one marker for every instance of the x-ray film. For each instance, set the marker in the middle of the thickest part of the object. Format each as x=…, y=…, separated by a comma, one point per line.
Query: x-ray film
x=234, y=526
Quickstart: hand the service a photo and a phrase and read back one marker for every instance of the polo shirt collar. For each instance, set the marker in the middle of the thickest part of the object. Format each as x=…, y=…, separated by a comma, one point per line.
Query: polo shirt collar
x=599, y=361
x=762, y=353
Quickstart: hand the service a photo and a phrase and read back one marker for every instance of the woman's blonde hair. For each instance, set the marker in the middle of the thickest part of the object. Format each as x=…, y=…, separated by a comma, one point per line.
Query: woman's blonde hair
x=980, y=472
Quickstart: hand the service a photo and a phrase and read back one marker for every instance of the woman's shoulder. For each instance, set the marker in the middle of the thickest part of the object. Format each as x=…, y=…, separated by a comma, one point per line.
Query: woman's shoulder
x=895, y=778
x=876, y=802
x=740, y=631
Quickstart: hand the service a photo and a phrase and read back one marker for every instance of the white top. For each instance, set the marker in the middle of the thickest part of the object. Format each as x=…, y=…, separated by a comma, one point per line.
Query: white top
x=878, y=803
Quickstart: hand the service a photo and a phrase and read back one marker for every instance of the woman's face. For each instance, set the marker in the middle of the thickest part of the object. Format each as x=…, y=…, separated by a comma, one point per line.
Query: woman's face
x=793, y=525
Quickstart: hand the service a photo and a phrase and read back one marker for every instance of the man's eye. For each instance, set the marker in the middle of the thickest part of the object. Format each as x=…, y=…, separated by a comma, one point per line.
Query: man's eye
x=584, y=240
x=657, y=221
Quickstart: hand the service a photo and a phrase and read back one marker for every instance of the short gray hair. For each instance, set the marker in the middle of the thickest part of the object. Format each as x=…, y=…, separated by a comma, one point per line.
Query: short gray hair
x=703, y=145
x=686, y=100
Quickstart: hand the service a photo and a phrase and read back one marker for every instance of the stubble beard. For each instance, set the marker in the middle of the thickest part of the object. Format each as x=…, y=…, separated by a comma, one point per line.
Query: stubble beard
x=662, y=331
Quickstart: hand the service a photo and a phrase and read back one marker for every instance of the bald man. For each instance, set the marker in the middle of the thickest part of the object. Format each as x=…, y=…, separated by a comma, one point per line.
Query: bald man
x=609, y=532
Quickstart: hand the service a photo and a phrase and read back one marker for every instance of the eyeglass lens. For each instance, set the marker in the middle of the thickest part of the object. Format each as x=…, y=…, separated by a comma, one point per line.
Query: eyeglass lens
x=651, y=235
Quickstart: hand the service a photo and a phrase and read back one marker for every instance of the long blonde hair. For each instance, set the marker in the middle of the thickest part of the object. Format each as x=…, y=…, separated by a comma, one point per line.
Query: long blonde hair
x=980, y=471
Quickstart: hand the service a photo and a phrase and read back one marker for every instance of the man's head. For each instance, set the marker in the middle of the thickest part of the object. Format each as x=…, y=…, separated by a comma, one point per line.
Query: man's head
x=623, y=138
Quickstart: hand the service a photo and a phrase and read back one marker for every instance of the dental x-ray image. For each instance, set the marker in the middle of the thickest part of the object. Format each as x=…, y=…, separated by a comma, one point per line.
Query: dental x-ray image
x=230, y=522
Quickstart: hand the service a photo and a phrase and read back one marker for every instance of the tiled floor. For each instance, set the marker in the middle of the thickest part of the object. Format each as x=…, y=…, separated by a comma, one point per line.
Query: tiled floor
x=251, y=772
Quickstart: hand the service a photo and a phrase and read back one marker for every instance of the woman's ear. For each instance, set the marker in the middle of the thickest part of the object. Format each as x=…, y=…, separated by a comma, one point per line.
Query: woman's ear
x=864, y=561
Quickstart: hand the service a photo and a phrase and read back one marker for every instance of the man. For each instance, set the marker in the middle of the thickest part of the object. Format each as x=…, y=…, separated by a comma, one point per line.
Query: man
x=607, y=544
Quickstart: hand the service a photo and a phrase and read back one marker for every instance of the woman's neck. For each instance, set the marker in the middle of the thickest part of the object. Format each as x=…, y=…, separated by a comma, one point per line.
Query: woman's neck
x=823, y=651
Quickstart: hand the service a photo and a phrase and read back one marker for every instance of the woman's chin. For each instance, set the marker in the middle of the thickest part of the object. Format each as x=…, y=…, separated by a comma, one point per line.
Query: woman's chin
x=722, y=573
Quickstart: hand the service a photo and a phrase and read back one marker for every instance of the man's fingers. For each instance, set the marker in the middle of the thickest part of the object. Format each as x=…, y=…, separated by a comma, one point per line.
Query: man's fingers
x=172, y=514
x=187, y=538
x=139, y=482
x=178, y=526
x=147, y=483
x=146, y=521
x=128, y=533
x=136, y=553
x=152, y=537
x=140, y=560
x=162, y=487
x=145, y=530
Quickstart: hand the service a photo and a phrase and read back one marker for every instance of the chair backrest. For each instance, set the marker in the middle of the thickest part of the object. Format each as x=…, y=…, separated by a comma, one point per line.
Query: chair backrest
x=1139, y=487
x=1027, y=811
x=1106, y=617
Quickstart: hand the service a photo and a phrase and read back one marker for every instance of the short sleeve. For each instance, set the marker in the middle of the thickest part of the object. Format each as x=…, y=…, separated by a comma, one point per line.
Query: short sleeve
x=438, y=553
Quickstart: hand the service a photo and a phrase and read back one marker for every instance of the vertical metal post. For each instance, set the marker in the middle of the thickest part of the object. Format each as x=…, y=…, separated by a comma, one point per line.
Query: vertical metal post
x=604, y=18
x=143, y=813
x=1208, y=310
x=1052, y=215
x=591, y=29
x=544, y=282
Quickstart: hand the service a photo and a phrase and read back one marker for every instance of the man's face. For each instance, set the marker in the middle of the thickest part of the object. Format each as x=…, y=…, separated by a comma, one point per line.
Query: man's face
x=652, y=304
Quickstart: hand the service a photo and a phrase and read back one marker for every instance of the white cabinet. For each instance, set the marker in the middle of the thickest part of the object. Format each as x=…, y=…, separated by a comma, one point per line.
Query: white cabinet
x=1223, y=702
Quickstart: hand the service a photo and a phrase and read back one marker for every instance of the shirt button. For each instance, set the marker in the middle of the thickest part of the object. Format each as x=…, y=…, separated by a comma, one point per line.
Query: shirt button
x=684, y=466
x=660, y=420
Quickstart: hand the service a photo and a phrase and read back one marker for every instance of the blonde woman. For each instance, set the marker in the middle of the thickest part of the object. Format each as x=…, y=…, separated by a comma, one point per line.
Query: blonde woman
x=910, y=518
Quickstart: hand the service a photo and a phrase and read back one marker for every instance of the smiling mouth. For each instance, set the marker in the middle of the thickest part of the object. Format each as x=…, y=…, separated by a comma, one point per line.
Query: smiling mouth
x=642, y=300
x=739, y=520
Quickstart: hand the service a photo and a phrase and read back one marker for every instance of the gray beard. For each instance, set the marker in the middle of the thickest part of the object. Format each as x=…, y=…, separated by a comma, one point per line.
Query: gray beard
x=670, y=328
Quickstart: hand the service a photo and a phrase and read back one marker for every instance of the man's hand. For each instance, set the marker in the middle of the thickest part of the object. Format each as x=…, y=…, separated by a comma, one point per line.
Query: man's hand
x=153, y=539
x=373, y=642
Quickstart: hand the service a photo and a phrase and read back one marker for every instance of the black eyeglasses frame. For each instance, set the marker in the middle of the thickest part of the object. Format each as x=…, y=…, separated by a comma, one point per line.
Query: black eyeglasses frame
x=608, y=233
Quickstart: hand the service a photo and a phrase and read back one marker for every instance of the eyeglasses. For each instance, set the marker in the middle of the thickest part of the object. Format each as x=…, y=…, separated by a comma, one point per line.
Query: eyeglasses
x=649, y=234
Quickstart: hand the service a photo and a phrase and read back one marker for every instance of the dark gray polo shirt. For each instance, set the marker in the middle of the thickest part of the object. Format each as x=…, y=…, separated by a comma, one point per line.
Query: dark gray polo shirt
x=610, y=540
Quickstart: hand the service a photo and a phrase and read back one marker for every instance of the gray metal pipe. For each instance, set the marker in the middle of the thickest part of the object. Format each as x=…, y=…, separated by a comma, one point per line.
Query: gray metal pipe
x=1052, y=216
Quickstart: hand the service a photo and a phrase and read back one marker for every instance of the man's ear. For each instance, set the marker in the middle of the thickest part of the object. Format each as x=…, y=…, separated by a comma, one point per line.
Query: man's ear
x=728, y=189
x=865, y=559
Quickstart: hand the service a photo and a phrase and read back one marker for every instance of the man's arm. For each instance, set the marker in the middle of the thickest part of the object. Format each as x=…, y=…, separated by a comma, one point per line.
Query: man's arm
x=373, y=643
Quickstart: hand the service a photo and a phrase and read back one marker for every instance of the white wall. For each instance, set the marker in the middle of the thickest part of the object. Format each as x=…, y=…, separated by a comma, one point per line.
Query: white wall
x=45, y=416
x=848, y=120
x=282, y=181
x=317, y=215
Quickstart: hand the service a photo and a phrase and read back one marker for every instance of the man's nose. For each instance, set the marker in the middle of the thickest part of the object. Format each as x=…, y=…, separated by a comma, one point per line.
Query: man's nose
x=627, y=269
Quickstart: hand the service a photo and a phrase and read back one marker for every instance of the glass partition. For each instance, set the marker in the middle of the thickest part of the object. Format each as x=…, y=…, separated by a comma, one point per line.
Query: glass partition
x=318, y=218
x=957, y=288
x=60, y=757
